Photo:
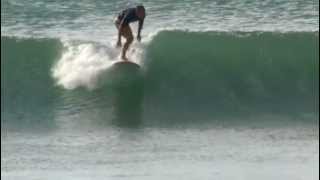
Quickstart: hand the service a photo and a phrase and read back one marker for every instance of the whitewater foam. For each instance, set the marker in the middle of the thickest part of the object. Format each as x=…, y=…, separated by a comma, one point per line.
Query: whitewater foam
x=81, y=64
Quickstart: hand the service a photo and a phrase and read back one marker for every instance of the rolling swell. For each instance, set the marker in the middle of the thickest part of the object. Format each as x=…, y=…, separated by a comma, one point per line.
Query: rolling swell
x=188, y=75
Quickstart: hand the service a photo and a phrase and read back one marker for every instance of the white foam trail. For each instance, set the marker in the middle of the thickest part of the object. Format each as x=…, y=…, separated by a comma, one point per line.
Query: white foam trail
x=82, y=64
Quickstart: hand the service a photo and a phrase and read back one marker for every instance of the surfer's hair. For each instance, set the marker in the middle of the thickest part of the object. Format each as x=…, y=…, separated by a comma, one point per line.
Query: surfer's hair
x=140, y=8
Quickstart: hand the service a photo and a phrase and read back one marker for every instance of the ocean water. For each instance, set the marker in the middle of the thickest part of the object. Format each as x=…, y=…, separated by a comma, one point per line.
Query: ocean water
x=226, y=89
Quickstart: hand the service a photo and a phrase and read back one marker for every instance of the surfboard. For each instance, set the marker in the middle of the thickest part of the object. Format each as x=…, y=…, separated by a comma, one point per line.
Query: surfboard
x=125, y=72
x=126, y=64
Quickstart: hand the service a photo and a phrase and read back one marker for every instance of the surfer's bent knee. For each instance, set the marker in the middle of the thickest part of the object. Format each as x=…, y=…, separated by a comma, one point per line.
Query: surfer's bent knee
x=130, y=39
x=127, y=33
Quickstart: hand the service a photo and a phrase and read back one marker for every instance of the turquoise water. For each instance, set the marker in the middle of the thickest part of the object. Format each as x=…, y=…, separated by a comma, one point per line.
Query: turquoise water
x=225, y=90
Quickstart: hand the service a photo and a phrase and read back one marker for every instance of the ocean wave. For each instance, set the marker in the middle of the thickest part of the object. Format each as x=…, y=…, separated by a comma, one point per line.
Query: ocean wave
x=190, y=71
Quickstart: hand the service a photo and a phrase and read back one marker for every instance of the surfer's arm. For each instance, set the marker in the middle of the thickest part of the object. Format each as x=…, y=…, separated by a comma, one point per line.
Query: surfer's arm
x=139, y=29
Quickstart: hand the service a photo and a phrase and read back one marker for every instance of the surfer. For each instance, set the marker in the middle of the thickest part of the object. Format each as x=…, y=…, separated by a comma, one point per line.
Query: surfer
x=122, y=22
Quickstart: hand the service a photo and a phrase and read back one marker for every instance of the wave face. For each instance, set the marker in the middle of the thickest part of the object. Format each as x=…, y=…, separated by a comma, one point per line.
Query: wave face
x=235, y=71
x=184, y=72
x=27, y=89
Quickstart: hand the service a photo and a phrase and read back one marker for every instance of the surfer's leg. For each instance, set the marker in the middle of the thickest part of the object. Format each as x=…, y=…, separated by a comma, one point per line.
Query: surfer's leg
x=127, y=33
